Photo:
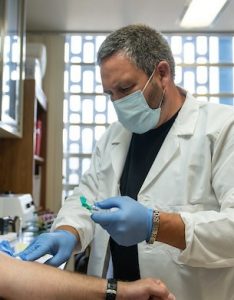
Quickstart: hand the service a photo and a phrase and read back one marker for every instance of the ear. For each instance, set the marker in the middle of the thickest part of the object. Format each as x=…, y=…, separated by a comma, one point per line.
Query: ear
x=163, y=70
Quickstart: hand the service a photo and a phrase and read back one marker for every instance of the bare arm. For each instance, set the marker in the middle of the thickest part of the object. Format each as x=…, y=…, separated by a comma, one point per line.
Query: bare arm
x=20, y=279
x=172, y=230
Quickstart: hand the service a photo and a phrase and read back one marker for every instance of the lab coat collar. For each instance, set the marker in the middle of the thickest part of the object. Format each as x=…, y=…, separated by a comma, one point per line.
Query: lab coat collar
x=186, y=120
x=184, y=125
x=119, y=150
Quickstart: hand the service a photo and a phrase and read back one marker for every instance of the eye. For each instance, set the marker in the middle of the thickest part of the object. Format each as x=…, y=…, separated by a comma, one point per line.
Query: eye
x=125, y=90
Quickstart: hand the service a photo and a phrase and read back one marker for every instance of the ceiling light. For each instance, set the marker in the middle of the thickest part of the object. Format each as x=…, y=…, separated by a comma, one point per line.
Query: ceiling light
x=201, y=13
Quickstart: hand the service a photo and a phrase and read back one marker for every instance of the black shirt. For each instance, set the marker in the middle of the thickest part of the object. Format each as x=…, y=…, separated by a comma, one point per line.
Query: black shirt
x=142, y=152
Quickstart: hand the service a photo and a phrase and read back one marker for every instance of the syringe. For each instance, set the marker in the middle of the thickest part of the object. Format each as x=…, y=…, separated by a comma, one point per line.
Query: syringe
x=94, y=208
x=90, y=207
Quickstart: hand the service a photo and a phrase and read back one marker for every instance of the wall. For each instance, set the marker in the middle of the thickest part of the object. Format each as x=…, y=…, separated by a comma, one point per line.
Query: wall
x=53, y=88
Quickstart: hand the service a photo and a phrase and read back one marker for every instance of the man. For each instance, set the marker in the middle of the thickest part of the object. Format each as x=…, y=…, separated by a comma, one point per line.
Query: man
x=172, y=154
x=23, y=280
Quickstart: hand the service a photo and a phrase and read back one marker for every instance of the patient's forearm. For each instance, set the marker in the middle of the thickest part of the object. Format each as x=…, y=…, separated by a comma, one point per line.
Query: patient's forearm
x=24, y=280
x=30, y=280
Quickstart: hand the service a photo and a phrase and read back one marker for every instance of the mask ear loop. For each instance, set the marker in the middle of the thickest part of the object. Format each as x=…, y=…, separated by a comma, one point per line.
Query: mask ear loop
x=151, y=76
x=163, y=94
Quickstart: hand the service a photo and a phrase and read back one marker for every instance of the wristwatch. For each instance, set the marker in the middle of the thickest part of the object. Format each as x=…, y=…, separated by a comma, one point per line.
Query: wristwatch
x=155, y=226
x=111, y=289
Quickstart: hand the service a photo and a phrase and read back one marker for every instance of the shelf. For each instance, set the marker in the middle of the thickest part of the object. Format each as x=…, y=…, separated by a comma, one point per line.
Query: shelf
x=17, y=156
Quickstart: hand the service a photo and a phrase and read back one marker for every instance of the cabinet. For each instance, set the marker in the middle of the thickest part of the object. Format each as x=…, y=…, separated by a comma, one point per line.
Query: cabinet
x=22, y=167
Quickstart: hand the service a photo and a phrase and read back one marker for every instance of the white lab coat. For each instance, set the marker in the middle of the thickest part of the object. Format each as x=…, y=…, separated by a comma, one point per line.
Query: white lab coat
x=193, y=175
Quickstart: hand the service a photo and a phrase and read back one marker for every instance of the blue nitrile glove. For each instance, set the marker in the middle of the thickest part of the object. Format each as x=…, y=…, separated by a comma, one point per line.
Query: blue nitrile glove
x=59, y=243
x=6, y=248
x=130, y=224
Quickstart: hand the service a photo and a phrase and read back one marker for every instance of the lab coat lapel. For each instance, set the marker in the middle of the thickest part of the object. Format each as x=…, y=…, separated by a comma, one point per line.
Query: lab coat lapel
x=119, y=150
x=168, y=151
x=184, y=126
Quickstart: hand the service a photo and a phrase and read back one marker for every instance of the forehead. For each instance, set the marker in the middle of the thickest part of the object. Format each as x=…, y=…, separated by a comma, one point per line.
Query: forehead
x=118, y=66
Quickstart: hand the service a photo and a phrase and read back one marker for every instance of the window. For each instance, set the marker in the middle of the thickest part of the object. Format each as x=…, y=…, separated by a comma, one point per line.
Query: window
x=87, y=112
x=204, y=66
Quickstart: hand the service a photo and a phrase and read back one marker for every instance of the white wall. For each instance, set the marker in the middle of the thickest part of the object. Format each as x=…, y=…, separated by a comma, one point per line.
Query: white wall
x=53, y=88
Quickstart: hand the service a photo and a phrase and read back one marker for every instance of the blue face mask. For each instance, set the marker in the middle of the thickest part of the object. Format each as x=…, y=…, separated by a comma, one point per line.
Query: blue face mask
x=134, y=112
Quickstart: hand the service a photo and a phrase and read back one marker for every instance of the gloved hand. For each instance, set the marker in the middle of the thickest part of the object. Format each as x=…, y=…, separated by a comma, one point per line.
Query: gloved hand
x=59, y=243
x=130, y=224
x=6, y=248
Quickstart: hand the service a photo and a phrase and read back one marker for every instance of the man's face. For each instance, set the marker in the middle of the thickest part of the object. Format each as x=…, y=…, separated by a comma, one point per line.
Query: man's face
x=120, y=77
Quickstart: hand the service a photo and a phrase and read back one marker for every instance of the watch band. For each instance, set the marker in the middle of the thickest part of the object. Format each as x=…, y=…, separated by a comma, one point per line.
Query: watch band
x=155, y=226
x=111, y=289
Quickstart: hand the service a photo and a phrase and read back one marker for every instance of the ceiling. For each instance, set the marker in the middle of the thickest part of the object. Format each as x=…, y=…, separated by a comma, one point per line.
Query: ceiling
x=108, y=15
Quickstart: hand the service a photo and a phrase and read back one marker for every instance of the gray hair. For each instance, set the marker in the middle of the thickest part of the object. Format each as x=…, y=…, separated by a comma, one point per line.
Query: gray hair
x=143, y=45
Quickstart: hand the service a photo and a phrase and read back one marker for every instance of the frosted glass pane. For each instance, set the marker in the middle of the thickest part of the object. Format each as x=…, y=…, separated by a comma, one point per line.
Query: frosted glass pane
x=202, y=45
x=100, y=103
x=76, y=44
x=214, y=80
x=100, y=118
x=74, y=148
x=202, y=75
x=75, y=73
x=88, y=82
x=202, y=60
x=75, y=104
x=202, y=90
x=74, y=133
x=85, y=164
x=87, y=111
x=76, y=59
x=73, y=179
x=87, y=140
x=66, y=52
x=75, y=88
x=178, y=75
x=214, y=49
x=99, y=89
x=88, y=52
x=189, y=81
x=74, y=118
x=178, y=60
x=65, y=81
x=176, y=45
x=73, y=163
x=189, y=53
